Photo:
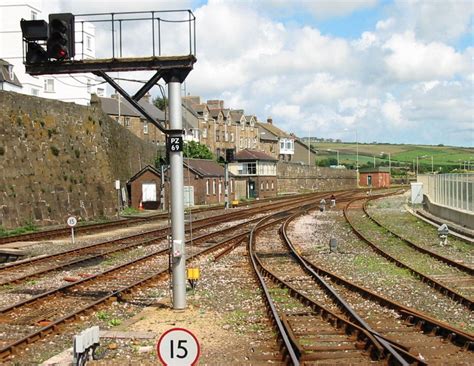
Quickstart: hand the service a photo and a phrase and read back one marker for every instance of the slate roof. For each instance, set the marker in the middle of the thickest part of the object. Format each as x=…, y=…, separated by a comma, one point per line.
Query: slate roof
x=247, y=154
x=204, y=167
x=265, y=134
x=236, y=114
x=214, y=113
x=145, y=169
x=5, y=75
x=274, y=130
x=110, y=106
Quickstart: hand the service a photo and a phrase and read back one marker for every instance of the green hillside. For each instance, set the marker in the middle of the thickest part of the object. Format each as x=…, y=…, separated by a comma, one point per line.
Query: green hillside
x=402, y=157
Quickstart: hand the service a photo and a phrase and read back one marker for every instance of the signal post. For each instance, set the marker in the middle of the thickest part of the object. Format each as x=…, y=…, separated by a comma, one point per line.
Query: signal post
x=51, y=49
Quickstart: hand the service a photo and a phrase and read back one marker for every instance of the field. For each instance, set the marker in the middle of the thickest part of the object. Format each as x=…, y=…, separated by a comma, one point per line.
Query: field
x=443, y=158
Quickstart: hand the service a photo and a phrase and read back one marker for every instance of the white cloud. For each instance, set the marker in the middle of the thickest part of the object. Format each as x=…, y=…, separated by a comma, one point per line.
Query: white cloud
x=436, y=20
x=388, y=82
x=410, y=59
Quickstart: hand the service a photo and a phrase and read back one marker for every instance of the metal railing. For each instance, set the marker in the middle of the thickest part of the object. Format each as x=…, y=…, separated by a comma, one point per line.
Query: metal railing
x=129, y=28
x=452, y=190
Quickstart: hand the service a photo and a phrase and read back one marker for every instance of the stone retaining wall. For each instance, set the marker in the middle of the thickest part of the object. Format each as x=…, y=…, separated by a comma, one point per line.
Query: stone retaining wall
x=295, y=177
x=59, y=159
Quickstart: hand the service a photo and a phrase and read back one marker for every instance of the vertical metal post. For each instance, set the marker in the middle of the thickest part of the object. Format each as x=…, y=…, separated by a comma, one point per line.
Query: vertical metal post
x=162, y=188
x=177, y=200
x=226, y=186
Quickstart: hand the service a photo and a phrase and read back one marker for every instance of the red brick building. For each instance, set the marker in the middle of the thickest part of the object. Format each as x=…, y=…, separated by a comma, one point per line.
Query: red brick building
x=203, y=185
x=374, y=177
x=145, y=187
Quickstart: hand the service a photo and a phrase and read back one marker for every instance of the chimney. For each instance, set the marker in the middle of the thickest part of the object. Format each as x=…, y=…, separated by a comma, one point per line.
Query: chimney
x=270, y=120
x=146, y=98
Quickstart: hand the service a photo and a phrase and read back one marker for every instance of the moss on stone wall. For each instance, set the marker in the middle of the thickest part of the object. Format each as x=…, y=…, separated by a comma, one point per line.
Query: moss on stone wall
x=59, y=159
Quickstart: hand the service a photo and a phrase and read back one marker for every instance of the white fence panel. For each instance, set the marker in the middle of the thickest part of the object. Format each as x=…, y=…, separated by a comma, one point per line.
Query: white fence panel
x=452, y=190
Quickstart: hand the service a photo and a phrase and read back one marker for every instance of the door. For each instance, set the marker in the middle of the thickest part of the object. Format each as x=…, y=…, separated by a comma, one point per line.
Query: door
x=188, y=196
x=369, y=180
x=252, y=190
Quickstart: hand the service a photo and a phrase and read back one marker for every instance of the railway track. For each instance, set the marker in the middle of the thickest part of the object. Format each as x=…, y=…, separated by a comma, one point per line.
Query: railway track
x=126, y=221
x=462, y=267
x=423, y=335
x=328, y=329
x=16, y=272
x=447, y=279
x=46, y=313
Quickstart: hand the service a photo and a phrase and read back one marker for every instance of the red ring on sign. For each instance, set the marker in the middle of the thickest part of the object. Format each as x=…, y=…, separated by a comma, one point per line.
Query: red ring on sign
x=184, y=330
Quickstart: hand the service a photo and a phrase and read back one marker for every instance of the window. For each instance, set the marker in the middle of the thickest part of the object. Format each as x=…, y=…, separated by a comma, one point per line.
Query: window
x=231, y=186
x=10, y=72
x=127, y=122
x=272, y=186
x=213, y=186
x=49, y=85
x=89, y=43
x=231, y=137
x=217, y=136
x=204, y=133
x=34, y=15
x=207, y=187
x=249, y=168
x=145, y=127
x=267, y=186
x=226, y=136
x=34, y=92
x=261, y=186
x=220, y=188
x=243, y=125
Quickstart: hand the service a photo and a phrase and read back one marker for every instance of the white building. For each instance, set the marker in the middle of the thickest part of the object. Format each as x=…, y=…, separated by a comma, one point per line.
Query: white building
x=76, y=88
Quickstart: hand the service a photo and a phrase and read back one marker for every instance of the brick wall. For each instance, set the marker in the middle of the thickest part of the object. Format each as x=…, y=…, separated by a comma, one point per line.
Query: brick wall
x=295, y=177
x=59, y=159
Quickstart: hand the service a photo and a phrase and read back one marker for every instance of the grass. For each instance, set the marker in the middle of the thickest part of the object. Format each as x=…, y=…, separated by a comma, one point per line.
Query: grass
x=29, y=227
x=129, y=211
x=374, y=265
x=445, y=157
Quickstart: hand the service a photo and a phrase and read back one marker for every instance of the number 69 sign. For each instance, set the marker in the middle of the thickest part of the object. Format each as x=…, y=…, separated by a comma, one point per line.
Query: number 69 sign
x=178, y=347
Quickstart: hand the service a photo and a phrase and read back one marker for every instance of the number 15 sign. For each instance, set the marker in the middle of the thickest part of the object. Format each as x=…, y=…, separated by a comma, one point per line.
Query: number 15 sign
x=178, y=347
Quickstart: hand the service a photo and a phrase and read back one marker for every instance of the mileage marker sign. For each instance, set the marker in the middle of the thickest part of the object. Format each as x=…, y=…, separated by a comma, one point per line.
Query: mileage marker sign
x=178, y=347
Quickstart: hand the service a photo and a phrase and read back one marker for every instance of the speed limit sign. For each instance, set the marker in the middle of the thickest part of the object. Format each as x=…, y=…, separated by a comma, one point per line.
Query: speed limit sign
x=71, y=221
x=178, y=347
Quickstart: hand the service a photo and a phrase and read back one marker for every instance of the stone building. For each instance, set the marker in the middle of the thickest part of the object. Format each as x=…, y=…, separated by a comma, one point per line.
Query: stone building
x=122, y=112
x=258, y=170
x=8, y=80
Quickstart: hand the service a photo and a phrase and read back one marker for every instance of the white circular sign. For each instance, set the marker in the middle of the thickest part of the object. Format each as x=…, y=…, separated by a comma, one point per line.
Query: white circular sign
x=71, y=221
x=178, y=347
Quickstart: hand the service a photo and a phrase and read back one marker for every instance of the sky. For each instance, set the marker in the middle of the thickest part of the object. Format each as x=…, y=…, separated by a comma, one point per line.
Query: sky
x=379, y=70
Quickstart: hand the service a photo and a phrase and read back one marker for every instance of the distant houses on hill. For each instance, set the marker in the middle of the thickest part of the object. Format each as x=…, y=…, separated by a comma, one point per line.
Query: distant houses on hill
x=225, y=131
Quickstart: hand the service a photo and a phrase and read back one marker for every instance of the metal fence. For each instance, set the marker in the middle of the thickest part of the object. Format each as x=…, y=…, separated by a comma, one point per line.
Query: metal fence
x=452, y=190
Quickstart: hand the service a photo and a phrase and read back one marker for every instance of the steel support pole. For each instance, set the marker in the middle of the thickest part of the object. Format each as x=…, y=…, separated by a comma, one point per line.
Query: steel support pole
x=177, y=201
x=226, y=186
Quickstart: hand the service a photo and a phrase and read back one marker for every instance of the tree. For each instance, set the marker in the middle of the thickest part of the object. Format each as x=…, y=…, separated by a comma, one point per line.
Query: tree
x=160, y=103
x=193, y=149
